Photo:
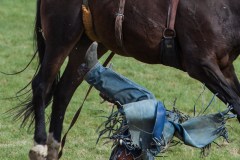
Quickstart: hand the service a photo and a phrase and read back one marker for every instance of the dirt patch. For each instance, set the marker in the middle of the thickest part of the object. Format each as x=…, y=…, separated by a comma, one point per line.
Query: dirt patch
x=235, y=152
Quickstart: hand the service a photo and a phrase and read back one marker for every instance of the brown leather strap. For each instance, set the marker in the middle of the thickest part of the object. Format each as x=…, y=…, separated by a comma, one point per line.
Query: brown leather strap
x=118, y=23
x=80, y=109
x=171, y=17
x=173, y=11
x=72, y=123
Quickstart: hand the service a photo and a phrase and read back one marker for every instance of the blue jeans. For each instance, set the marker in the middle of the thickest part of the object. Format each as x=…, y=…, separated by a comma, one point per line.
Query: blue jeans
x=144, y=111
x=140, y=105
x=115, y=86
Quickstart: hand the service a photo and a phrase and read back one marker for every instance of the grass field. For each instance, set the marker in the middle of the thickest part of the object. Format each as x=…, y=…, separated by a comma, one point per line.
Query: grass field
x=16, y=49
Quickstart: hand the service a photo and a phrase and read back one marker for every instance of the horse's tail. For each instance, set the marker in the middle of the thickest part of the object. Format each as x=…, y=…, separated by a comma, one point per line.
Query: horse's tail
x=38, y=35
x=26, y=110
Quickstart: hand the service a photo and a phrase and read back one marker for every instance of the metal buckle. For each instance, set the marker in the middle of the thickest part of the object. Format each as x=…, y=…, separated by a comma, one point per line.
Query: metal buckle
x=169, y=33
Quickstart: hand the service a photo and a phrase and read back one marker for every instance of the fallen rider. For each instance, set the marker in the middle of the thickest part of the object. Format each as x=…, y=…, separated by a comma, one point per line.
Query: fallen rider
x=146, y=127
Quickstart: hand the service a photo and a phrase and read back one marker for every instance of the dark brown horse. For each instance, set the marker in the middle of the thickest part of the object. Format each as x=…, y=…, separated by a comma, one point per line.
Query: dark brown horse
x=208, y=33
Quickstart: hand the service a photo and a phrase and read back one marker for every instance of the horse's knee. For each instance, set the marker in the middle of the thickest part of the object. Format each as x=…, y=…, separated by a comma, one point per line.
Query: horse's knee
x=42, y=91
x=202, y=69
x=61, y=95
x=194, y=71
x=37, y=85
x=231, y=78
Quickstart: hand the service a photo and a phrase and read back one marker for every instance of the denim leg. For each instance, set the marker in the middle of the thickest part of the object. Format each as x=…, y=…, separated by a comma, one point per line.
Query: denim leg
x=115, y=86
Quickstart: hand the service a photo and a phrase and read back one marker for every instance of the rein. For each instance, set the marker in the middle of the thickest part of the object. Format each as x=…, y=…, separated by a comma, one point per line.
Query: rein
x=74, y=120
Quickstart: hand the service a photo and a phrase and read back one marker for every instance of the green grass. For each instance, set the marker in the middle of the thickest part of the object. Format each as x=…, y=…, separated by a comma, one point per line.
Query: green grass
x=16, y=49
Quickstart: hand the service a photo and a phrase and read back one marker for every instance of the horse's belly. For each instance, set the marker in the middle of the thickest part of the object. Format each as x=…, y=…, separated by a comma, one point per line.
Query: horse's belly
x=141, y=35
x=141, y=45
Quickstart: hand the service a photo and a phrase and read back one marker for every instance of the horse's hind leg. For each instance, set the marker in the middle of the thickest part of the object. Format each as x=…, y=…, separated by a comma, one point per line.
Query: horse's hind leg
x=69, y=82
x=59, y=39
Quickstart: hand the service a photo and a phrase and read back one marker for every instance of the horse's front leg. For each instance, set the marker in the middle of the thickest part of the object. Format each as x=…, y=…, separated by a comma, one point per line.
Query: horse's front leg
x=39, y=151
x=67, y=85
x=48, y=72
x=231, y=78
x=207, y=70
x=61, y=31
x=64, y=92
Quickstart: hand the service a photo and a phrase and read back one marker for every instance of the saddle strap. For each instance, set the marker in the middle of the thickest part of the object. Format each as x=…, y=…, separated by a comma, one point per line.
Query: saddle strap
x=169, y=54
x=118, y=23
x=172, y=11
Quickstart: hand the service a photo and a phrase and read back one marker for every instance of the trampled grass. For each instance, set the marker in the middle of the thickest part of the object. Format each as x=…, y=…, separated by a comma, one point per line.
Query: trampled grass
x=16, y=49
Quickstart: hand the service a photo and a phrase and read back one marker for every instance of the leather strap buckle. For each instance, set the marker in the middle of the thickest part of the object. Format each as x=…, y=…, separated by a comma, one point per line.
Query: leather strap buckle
x=169, y=33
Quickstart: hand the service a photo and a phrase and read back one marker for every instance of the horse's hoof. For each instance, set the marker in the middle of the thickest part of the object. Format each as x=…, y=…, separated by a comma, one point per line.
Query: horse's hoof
x=38, y=152
x=53, y=148
x=53, y=153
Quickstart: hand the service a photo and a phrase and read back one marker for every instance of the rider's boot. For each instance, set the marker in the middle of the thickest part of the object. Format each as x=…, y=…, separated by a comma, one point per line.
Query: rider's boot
x=90, y=59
